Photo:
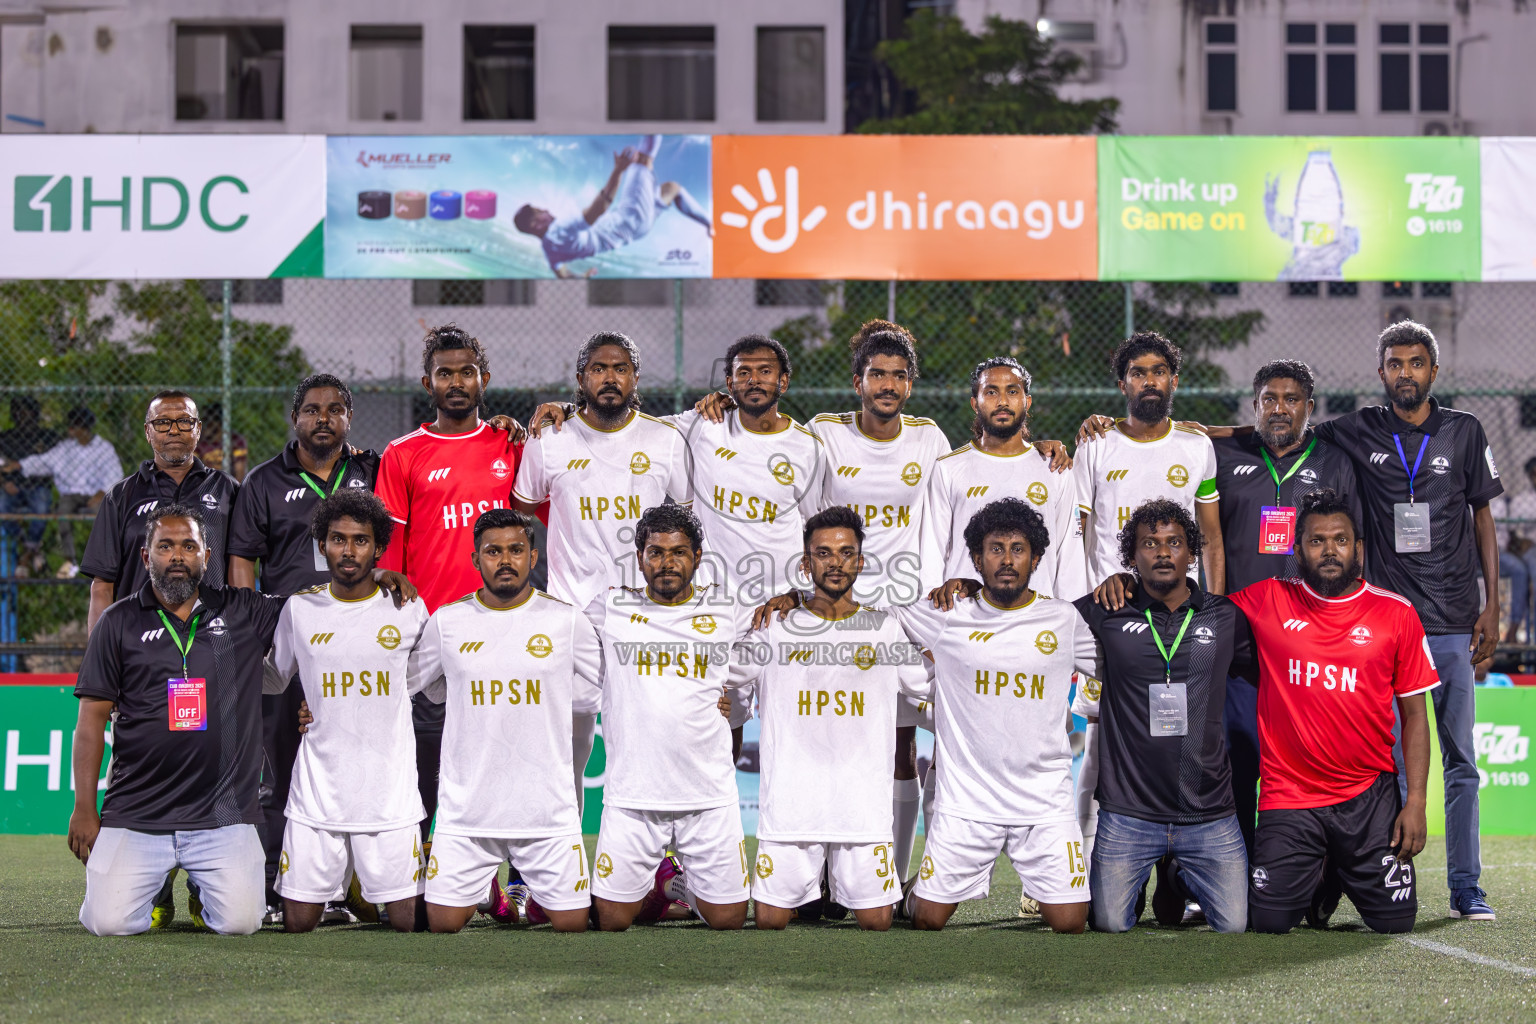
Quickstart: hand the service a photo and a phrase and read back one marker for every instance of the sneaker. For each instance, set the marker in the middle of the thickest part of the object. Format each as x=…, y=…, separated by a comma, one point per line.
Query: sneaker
x=1193, y=913
x=830, y=908
x=164, y=910
x=1028, y=907
x=899, y=912
x=1325, y=901
x=337, y=912
x=361, y=909
x=195, y=906
x=1471, y=903
x=497, y=906
x=1167, y=898
x=274, y=915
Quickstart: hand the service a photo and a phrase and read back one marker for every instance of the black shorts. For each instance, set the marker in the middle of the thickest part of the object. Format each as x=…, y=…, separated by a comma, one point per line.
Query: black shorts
x=1355, y=838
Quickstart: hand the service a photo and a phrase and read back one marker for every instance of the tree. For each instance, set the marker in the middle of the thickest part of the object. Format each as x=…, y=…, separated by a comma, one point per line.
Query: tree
x=1005, y=79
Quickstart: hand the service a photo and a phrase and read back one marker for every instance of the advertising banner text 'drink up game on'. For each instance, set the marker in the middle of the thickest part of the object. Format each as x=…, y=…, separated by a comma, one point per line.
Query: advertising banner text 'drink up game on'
x=1236, y=208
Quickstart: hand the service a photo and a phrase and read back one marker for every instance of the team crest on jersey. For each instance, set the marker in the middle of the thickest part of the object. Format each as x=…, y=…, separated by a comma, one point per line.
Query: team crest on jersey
x=1037, y=493
x=1178, y=475
x=1260, y=878
x=1092, y=688
x=1045, y=643
x=389, y=637
x=540, y=646
x=782, y=471
x=604, y=865
x=864, y=657
x=1204, y=635
x=216, y=627
x=499, y=469
x=764, y=865
x=212, y=503
x=1308, y=475
x=639, y=463
x=1439, y=465
x=911, y=474
x=1360, y=636
x=354, y=482
x=704, y=624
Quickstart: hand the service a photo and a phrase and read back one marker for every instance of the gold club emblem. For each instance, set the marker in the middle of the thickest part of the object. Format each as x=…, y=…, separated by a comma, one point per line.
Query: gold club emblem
x=704, y=624
x=911, y=474
x=1091, y=688
x=783, y=472
x=1037, y=493
x=604, y=865
x=282, y=863
x=764, y=865
x=1045, y=643
x=432, y=866
x=1178, y=475
x=926, y=871
x=639, y=463
x=864, y=657
x=389, y=637
x=540, y=646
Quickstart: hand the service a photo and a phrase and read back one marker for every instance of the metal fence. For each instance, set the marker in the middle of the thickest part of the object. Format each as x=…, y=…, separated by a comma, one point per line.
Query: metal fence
x=240, y=346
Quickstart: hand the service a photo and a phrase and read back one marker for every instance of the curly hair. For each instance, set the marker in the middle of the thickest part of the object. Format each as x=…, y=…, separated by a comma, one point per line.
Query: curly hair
x=669, y=518
x=597, y=341
x=994, y=363
x=353, y=503
x=320, y=380
x=1407, y=332
x=1325, y=501
x=1141, y=343
x=752, y=343
x=837, y=517
x=883, y=338
x=1284, y=369
x=1007, y=515
x=1153, y=514
x=448, y=338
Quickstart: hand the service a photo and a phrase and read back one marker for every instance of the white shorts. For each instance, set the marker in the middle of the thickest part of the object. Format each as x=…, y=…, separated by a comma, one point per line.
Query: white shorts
x=958, y=859
x=709, y=844
x=911, y=712
x=317, y=864
x=460, y=869
x=788, y=875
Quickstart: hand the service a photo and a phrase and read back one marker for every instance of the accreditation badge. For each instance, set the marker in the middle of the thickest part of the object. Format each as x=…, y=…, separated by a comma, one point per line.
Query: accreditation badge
x=1277, y=529
x=187, y=700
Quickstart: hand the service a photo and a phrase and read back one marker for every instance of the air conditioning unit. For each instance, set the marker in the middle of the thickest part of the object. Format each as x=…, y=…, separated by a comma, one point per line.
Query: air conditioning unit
x=1092, y=62
x=1076, y=37
x=1437, y=314
x=1435, y=126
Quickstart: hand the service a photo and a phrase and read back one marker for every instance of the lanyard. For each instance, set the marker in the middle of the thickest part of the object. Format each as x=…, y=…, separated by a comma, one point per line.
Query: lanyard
x=1189, y=615
x=1275, y=476
x=186, y=649
x=341, y=471
x=1397, y=440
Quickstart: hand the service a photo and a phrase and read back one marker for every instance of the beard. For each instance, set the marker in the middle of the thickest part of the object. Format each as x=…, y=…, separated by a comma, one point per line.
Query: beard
x=176, y=590
x=1000, y=431
x=605, y=411
x=1152, y=408
x=323, y=453
x=1325, y=587
x=1410, y=401
x=502, y=589
x=1285, y=437
x=1161, y=587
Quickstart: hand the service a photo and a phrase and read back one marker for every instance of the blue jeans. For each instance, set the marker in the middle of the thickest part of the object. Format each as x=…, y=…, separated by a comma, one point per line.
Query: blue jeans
x=1241, y=716
x=37, y=498
x=1213, y=865
x=1513, y=568
x=127, y=868
x=1455, y=713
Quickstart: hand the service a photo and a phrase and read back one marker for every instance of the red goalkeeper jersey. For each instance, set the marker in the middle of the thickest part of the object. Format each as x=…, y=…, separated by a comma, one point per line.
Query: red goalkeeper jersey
x=1329, y=671
x=435, y=487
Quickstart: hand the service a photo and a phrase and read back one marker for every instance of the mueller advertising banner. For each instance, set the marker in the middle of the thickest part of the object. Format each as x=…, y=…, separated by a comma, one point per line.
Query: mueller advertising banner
x=1244, y=208
x=143, y=206
x=903, y=206
x=518, y=206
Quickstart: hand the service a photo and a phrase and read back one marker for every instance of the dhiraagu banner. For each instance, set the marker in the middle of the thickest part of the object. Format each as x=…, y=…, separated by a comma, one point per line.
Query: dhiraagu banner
x=1255, y=208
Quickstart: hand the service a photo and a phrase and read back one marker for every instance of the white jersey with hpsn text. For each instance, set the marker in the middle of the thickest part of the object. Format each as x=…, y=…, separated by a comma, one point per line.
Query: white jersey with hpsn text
x=886, y=483
x=356, y=766
x=663, y=667
x=1116, y=474
x=999, y=705
x=753, y=493
x=510, y=678
x=598, y=483
x=966, y=480
x=827, y=700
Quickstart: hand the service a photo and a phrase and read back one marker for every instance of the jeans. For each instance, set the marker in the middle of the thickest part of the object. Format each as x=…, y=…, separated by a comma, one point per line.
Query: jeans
x=127, y=868
x=1519, y=570
x=72, y=504
x=1213, y=866
x=35, y=498
x=1242, y=724
x=1455, y=712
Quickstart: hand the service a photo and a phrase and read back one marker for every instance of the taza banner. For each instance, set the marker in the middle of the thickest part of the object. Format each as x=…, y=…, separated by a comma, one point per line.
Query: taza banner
x=158, y=206
x=1247, y=208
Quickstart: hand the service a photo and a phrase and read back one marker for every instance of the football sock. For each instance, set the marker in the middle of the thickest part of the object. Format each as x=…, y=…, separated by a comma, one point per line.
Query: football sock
x=1087, y=782
x=930, y=786
x=904, y=807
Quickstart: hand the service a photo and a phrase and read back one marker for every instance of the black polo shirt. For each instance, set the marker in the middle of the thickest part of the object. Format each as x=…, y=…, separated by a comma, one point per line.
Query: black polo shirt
x=1186, y=779
x=1457, y=472
x=182, y=779
x=270, y=523
x=117, y=536
x=1247, y=487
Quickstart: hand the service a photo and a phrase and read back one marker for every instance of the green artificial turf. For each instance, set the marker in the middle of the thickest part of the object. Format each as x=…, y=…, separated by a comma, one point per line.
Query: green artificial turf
x=988, y=965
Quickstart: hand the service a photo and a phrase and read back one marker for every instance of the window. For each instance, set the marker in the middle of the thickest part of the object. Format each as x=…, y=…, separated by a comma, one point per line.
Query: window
x=229, y=72
x=385, y=73
x=664, y=73
x=472, y=293
x=638, y=291
x=1226, y=289
x=788, y=293
x=1437, y=290
x=498, y=73
x=1397, y=289
x=791, y=74
x=1221, y=66
x=1304, y=289
x=263, y=291
x=1429, y=59
x=1343, y=289
x=1333, y=53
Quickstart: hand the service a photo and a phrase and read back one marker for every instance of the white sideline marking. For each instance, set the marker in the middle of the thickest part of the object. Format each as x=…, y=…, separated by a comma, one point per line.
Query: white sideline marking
x=1462, y=954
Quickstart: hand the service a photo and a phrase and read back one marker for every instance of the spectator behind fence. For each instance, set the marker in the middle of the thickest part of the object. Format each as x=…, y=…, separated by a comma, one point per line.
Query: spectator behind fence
x=211, y=447
x=83, y=466
x=20, y=493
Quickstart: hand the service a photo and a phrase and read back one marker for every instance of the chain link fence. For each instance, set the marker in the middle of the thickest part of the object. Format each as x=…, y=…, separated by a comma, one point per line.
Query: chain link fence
x=239, y=347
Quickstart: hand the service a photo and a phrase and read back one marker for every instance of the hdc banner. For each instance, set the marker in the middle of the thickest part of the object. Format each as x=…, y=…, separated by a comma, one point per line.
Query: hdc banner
x=156, y=206
x=972, y=207
x=1236, y=208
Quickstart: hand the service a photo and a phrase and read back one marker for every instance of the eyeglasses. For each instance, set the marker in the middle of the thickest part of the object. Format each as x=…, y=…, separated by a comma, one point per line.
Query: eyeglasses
x=163, y=426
